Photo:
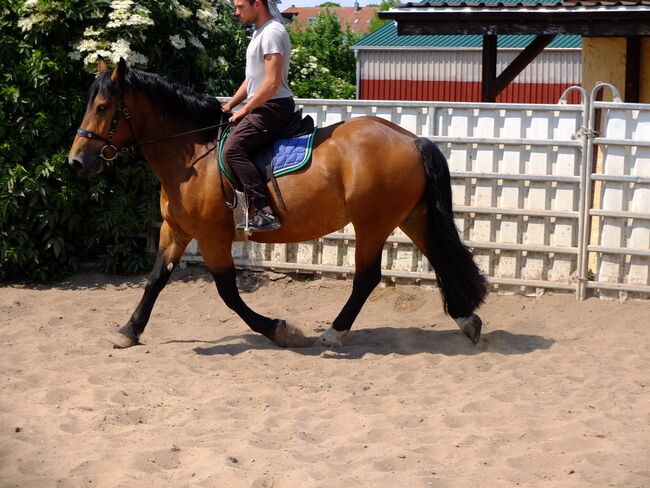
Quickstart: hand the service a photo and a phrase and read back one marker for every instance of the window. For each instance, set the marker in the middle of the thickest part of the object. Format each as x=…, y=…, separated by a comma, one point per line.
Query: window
x=311, y=20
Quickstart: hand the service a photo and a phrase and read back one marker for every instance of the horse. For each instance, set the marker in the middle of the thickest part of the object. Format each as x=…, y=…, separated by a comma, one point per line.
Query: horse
x=364, y=170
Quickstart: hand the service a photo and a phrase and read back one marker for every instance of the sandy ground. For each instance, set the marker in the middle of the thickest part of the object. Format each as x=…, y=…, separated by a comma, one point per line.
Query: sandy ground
x=556, y=393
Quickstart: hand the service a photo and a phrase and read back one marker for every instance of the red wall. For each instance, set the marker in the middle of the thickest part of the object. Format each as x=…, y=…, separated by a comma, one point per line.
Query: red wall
x=461, y=91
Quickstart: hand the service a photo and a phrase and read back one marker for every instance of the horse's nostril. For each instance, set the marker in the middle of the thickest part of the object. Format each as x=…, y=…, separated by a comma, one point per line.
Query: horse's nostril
x=76, y=164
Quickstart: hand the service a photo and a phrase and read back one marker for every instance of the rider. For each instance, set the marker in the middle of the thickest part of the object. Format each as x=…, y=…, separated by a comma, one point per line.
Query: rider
x=269, y=104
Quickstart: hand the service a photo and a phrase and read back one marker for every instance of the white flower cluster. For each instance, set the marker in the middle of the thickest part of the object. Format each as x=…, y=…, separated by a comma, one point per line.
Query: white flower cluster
x=181, y=11
x=206, y=17
x=125, y=14
x=129, y=20
x=177, y=41
x=122, y=49
x=26, y=23
x=126, y=18
x=109, y=50
x=195, y=42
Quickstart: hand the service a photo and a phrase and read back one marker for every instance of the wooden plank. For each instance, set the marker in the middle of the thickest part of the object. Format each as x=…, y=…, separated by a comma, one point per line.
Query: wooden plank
x=633, y=69
x=489, y=68
x=521, y=61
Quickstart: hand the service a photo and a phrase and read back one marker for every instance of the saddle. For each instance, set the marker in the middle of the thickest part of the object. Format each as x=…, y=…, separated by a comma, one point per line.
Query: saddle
x=290, y=151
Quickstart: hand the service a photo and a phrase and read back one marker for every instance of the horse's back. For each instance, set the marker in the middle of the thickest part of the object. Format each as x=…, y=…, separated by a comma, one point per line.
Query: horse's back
x=366, y=121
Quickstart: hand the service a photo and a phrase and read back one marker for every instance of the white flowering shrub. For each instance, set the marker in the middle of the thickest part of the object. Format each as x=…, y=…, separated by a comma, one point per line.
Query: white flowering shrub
x=322, y=64
x=49, y=218
x=310, y=79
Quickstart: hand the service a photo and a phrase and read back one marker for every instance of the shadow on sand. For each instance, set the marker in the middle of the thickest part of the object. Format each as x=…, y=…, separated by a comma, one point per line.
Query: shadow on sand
x=394, y=340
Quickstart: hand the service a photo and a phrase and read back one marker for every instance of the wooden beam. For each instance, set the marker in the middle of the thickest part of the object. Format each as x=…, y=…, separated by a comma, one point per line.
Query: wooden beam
x=632, y=69
x=489, y=68
x=499, y=23
x=520, y=62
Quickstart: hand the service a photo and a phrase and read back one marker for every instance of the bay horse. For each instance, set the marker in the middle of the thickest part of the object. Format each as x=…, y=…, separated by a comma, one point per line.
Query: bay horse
x=365, y=170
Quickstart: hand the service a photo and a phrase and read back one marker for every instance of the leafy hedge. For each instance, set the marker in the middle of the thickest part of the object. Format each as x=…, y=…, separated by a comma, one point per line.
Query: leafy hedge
x=322, y=63
x=50, y=219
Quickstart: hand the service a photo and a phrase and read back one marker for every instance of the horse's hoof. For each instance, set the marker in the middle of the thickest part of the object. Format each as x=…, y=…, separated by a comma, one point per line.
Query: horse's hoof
x=332, y=338
x=286, y=335
x=125, y=337
x=471, y=326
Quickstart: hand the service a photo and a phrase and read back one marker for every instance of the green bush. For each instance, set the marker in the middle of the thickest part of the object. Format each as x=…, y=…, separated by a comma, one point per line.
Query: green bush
x=50, y=219
x=322, y=63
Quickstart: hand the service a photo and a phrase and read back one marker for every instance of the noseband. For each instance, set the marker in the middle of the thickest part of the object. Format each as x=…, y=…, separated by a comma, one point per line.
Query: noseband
x=123, y=110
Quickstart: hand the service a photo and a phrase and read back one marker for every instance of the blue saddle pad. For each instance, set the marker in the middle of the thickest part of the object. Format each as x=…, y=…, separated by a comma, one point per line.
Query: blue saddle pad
x=284, y=155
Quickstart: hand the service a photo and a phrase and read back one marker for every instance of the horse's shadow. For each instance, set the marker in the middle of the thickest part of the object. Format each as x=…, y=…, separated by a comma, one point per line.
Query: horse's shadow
x=394, y=340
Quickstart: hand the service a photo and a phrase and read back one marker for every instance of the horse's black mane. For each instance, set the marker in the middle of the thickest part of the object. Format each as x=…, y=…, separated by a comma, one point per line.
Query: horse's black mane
x=177, y=101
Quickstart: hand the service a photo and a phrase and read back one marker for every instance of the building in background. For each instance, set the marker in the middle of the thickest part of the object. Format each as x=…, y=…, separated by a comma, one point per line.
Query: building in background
x=358, y=18
x=448, y=67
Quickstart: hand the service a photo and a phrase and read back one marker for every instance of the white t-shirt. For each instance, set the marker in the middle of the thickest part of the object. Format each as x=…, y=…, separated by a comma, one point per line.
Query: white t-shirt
x=271, y=38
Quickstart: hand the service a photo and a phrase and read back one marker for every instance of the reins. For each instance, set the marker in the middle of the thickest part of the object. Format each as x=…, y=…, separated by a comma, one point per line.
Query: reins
x=122, y=109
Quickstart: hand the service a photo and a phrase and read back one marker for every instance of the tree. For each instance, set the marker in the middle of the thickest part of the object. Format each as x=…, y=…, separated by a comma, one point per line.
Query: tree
x=322, y=63
x=49, y=218
x=376, y=22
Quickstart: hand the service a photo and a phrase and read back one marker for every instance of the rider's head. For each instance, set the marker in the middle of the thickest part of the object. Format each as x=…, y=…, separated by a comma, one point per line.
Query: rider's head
x=252, y=11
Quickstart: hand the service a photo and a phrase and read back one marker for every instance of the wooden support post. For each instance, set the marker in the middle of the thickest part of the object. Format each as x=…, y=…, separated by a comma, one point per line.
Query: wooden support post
x=489, y=68
x=632, y=69
x=521, y=61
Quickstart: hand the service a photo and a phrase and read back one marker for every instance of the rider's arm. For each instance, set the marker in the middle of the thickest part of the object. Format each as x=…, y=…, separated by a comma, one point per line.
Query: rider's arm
x=273, y=64
x=239, y=96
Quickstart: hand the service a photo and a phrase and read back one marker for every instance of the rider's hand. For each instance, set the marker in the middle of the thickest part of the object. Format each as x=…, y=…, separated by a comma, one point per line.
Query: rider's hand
x=238, y=115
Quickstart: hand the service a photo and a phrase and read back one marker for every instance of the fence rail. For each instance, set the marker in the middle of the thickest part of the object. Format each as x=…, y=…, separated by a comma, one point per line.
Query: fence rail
x=543, y=200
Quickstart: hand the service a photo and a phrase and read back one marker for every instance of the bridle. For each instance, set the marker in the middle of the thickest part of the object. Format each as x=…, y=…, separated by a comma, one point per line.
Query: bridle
x=122, y=110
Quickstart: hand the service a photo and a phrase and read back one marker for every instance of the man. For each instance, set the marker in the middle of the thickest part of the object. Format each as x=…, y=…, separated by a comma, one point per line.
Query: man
x=269, y=104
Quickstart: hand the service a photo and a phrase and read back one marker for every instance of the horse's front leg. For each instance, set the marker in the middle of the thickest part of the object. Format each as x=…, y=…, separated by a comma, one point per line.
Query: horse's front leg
x=218, y=258
x=170, y=250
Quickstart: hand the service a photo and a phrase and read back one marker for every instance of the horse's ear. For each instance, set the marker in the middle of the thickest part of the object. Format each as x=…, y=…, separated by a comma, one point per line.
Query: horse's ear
x=101, y=65
x=117, y=78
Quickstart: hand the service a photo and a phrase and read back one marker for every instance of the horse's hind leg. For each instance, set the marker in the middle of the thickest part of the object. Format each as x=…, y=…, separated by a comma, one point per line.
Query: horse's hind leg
x=171, y=248
x=367, y=276
x=416, y=227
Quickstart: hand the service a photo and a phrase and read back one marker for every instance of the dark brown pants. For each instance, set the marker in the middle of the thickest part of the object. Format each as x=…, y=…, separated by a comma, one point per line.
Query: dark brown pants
x=253, y=131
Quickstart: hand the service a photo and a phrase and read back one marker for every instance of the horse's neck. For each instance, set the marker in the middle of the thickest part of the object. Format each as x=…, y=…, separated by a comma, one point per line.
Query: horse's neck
x=168, y=158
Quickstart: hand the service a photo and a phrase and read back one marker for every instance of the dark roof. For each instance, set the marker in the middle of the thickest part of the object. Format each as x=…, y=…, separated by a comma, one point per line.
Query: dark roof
x=543, y=17
x=386, y=36
x=527, y=4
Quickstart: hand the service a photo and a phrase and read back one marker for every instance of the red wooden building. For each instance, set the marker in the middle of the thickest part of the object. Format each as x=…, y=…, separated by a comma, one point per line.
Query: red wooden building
x=448, y=67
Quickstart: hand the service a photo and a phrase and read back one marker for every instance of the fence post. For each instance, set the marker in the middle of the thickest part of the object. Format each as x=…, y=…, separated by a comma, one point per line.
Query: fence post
x=583, y=210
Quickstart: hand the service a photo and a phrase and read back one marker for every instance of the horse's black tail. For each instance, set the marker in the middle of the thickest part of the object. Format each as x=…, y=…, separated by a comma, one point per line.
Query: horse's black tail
x=463, y=286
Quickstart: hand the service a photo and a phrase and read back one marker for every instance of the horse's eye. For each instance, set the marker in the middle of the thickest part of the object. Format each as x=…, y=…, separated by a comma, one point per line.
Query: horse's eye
x=101, y=109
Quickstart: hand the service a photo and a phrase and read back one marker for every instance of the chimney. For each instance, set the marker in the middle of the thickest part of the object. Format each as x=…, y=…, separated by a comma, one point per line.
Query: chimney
x=356, y=6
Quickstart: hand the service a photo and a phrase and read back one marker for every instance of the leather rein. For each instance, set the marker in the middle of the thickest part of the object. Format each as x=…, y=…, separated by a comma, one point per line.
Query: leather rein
x=122, y=110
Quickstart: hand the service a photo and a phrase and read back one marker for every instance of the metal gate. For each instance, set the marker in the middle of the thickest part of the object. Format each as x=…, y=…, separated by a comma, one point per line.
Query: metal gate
x=524, y=179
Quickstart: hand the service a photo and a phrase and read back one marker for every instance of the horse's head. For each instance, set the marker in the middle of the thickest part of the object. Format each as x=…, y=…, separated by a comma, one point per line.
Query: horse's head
x=106, y=125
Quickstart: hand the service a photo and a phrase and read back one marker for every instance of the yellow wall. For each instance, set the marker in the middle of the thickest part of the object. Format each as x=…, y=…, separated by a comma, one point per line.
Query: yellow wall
x=603, y=60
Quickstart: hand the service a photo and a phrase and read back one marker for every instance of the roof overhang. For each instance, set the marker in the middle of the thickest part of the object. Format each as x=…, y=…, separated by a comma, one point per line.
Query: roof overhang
x=602, y=21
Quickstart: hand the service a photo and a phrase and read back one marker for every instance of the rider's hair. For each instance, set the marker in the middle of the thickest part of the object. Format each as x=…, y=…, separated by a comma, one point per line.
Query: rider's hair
x=265, y=2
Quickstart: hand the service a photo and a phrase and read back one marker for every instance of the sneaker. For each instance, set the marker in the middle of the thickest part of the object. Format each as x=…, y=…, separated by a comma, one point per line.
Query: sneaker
x=262, y=221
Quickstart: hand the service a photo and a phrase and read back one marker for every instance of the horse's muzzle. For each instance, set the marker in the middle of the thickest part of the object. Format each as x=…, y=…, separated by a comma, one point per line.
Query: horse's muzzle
x=86, y=166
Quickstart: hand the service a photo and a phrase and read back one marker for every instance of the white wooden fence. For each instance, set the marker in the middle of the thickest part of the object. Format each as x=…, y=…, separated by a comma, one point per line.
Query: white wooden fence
x=522, y=195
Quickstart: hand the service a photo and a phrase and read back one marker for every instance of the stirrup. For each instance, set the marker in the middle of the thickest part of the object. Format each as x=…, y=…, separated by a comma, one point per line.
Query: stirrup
x=261, y=222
